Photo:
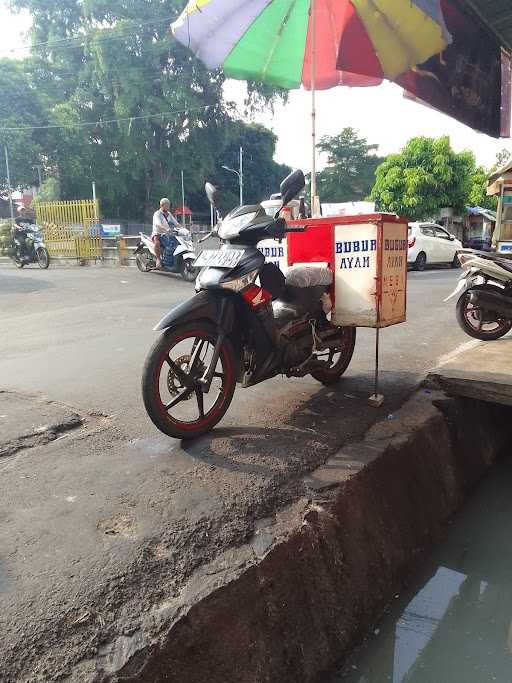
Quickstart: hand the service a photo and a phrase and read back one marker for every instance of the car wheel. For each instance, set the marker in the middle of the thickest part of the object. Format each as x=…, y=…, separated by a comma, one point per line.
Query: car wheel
x=421, y=261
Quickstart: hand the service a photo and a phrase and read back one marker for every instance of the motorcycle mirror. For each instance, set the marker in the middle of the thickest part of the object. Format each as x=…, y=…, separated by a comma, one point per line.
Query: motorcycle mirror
x=291, y=186
x=212, y=193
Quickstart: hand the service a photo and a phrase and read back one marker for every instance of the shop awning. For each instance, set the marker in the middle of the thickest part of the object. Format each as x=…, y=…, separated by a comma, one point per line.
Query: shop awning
x=497, y=15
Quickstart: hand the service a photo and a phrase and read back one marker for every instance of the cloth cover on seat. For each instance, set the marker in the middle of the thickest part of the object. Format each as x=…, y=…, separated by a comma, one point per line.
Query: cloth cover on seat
x=305, y=275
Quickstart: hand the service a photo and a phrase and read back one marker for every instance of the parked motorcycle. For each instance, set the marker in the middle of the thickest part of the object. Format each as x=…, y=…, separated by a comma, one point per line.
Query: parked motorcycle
x=178, y=254
x=27, y=246
x=484, y=309
x=246, y=323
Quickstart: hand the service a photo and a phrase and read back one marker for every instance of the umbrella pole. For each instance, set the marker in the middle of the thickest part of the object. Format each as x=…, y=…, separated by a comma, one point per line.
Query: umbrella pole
x=315, y=204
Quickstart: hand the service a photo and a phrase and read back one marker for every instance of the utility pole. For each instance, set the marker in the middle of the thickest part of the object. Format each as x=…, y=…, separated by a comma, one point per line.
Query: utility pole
x=95, y=201
x=39, y=176
x=240, y=174
x=182, y=199
x=9, y=185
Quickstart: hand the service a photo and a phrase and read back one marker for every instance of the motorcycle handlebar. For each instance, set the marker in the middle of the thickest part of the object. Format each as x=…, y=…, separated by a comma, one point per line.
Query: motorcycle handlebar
x=297, y=228
x=203, y=239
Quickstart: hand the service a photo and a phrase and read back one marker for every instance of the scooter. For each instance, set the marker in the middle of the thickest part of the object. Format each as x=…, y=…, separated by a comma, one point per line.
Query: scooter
x=178, y=254
x=34, y=250
x=247, y=323
x=484, y=308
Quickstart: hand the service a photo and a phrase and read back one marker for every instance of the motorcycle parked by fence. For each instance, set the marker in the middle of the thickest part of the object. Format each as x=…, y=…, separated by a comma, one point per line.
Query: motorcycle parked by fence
x=178, y=254
x=484, y=309
x=27, y=246
x=246, y=323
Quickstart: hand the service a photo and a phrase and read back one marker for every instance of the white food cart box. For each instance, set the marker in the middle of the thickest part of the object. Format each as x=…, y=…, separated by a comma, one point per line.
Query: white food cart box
x=368, y=255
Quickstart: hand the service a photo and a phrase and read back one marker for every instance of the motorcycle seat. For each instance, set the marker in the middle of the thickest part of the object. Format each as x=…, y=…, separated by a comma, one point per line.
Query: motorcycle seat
x=505, y=263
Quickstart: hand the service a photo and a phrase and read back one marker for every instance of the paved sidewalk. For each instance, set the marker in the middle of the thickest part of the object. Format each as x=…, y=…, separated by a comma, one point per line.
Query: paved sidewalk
x=483, y=371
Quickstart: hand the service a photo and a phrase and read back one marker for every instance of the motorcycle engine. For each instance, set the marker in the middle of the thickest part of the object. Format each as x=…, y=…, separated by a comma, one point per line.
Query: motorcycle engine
x=296, y=342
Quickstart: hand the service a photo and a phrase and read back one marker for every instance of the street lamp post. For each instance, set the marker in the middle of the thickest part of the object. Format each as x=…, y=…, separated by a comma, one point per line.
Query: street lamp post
x=240, y=174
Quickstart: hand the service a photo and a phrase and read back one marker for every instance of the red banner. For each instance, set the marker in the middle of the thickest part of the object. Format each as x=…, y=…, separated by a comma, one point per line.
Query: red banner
x=471, y=79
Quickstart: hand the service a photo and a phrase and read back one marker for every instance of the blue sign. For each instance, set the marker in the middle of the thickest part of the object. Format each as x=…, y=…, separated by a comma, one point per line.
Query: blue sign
x=110, y=230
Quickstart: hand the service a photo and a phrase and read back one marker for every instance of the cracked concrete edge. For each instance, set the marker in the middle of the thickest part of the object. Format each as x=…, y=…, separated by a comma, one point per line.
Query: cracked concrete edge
x=287, y=604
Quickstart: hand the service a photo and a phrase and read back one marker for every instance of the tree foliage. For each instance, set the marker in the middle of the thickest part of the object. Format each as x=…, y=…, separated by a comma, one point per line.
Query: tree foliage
x=161, y=110
x=424, y=177
x=19, y=108
x=350, y=171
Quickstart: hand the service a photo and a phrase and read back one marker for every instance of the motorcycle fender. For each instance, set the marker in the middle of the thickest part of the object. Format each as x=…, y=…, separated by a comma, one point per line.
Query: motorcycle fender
x=204, y=305
x=466, y=281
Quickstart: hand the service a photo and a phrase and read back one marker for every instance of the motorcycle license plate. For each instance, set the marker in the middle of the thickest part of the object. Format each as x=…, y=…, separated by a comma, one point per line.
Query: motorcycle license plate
x=218, y=258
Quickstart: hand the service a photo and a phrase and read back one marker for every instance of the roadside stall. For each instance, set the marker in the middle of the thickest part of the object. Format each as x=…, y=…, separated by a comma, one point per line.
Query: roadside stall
x=368, y=256
x=500, y=185
x=321, y=45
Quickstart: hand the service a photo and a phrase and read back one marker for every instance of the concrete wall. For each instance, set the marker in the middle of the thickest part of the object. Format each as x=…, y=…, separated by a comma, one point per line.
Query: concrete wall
x=311, y=580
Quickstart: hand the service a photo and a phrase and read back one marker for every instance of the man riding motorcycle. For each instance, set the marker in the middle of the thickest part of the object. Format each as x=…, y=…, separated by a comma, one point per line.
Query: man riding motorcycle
x=162, y=222
x=20, y=231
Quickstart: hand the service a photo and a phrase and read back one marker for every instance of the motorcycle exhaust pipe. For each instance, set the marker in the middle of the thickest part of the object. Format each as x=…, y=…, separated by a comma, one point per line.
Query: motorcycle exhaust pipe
x=489, y=301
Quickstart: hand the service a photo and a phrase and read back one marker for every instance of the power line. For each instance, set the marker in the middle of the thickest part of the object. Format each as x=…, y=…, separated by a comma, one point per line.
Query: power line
x=60, y=43
x=101, y=122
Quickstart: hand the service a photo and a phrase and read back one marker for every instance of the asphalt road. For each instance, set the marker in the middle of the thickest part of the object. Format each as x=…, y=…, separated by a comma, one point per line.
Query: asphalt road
x=80, y=335
x=114, y=518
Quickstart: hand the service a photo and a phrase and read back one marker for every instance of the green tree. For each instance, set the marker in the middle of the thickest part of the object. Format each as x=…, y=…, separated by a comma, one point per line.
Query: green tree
x=502, y=157
x=49, y=191
x=20, y=107
x=262, y=175
x=350, y=171
x=478, y=191
x=423, y=177
x=117, y=60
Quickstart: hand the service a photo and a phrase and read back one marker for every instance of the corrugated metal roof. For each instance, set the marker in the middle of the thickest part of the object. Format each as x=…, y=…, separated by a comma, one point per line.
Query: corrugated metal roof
x=497, y=14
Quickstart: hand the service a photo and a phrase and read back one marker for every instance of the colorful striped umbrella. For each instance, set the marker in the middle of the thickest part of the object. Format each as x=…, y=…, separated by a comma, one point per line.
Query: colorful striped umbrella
x=318, y=44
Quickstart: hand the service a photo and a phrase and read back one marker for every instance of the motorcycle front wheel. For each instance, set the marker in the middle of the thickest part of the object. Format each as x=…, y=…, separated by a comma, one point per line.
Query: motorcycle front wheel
x=338, y=359
x=173, y=397
x=188, y=272
x=43, y=258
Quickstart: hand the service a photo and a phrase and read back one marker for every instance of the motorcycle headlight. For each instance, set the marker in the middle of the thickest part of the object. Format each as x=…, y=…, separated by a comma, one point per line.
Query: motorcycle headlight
x=240, y=283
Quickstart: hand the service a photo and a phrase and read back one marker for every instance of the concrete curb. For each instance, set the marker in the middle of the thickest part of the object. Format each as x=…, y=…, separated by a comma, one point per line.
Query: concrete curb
x=311, y=580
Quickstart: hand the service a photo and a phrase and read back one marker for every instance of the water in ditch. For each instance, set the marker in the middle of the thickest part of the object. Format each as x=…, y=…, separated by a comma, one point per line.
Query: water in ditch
x=454, y=623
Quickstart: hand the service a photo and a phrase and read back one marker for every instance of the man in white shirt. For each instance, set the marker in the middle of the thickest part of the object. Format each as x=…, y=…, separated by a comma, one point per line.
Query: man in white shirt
x=162, y=222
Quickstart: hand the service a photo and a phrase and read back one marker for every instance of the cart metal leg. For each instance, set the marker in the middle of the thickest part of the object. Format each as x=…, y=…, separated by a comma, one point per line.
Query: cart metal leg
x=376, y=399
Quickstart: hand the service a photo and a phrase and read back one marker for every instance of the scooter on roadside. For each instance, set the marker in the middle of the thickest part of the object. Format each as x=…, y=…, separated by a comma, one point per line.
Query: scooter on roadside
x=27, y=246
x=484, y=308
x=247, y=323
x=178, y=254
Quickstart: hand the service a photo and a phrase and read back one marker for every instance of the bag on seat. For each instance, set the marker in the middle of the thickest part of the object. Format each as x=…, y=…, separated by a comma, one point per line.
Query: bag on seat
x=306, y=275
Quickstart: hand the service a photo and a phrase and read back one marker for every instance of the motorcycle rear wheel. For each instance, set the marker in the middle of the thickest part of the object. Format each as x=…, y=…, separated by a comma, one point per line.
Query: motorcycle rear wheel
x=339, y=361
x=177, y=410
x=142, y=262
x=469, y=317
